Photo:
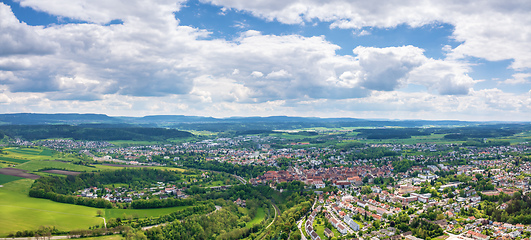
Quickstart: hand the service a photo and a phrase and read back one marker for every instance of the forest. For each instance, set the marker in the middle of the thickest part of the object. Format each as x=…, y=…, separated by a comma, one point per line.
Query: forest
x=92, y=133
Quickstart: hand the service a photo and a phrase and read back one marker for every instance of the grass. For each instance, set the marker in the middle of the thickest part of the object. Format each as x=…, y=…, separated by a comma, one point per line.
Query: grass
x=141, y=213
x=319, y=229
x=21, y=212
x=13, y=160
x=46, y=152
x=359, y=224
x=116, y=185
x=214, y=184
x=7, y=178
x=38, y=165
x=258, y=218
x=29, y=153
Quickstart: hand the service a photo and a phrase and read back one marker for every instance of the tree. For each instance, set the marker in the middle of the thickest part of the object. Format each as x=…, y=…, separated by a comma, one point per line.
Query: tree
x=366, y=179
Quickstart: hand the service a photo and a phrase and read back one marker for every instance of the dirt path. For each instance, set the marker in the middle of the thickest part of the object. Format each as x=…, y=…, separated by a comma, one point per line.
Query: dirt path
x=276, y=214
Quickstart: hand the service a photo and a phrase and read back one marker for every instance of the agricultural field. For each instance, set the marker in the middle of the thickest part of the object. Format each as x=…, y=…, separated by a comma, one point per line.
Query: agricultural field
x=29, y=153
x=21, y=212
x=38, y=165
x=7, y=178
x=517, y=138
x=12, y=160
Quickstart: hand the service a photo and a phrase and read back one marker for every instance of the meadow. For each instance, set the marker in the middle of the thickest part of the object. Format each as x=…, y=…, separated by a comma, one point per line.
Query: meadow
x=7, y=178
x=21, y=212
x=13, y=160
x=29, y=153
x=258, y=218
x=38, y=165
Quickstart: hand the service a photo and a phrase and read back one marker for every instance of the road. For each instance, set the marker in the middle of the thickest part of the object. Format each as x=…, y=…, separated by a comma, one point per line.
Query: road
x=349, y=230
x=299, y=224
x=243, y=181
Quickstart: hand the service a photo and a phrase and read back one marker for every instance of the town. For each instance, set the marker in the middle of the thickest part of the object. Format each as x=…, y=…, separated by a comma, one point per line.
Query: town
x=445, y=190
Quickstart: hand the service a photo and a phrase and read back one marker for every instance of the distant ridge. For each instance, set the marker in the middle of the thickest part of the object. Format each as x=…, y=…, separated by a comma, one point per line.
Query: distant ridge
x=57, y=118
x=199, y=122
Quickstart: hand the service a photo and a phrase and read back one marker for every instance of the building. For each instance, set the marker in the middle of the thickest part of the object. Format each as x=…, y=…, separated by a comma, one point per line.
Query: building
x=328, y=233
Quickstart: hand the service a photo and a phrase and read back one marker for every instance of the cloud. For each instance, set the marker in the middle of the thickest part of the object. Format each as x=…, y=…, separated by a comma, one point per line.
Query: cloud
x=141, y=12
x=492, y=30
x=278, y=74
x=257, y=74
x=447, y=77
x=150, y=64
x=19, y=38
x=386, y=69
x=518, y=78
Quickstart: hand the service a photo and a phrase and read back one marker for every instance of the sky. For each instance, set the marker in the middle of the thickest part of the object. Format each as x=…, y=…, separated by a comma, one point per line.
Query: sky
x=395, y=59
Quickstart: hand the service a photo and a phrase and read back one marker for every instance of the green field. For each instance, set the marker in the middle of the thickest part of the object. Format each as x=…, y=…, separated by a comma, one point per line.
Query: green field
x=141, y=213
x=38, y=165
x=7, y=178
x=214, y=184
x=258, y=218
x=21, y=212
x=29, y=153
x=13, y=160
x=116, y=185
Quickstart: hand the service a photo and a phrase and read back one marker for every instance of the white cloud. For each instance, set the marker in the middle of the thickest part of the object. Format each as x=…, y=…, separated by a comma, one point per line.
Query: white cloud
x=518, y=78
x=17, y=38
x=492, y=30
x=150, y=64
x=387, y=69
x=278, y=74
x=257, y=74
